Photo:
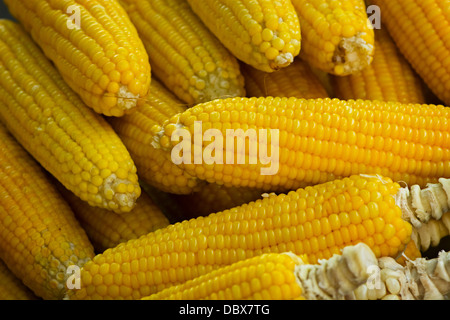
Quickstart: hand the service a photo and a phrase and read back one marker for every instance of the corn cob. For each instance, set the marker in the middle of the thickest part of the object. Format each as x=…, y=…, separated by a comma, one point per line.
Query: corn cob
x=279, y=277
x=296, y=80
x=336, y=35
x=314, y=141
x=317, y=221
x=100, y=56
x=11, y=288
x=263, y=34
x=419, y=279
x=212, y=198
x=154, y=166
x=183, y=53
x=420, y=30
x=411, y=253
x=106, y=229
x=388, y=78
x=39, y=235
x=71, y=141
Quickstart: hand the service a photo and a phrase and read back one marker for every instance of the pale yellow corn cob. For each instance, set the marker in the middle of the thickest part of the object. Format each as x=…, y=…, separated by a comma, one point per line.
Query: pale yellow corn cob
x=94, y=46
x=389, y=78
x=183, y=53
x=336, y=35
x=40, y=237
x=421, y=31
x=75, y=144
x=263, y=34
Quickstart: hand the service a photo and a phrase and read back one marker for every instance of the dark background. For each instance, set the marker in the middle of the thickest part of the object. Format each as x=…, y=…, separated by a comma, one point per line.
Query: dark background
x=4, y=13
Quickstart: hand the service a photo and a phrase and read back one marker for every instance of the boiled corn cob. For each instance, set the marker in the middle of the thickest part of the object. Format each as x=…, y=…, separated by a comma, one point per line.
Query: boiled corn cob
x=71, y=141
x=336, y=35
x=106, y=229
x=263, y=34
x=317, y=221
x=411, y=252
x=155, y=166
x=313, y=141
x=389, y=77
x=183, y=53
x=296, y=80
x=40, y=237
x=420, y=30
x=94, y=46
x=281, y=276
x=11, y=288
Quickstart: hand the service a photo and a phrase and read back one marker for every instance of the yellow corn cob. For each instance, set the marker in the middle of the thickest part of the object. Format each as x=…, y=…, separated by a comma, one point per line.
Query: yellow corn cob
x=39, y=235
x=263, y=34
x=282, y=276
x=420, y=30
x=296, y=80
x=94, y=46
x=183, y=53
x=71, y=141
x=336, y=35
x=212, y=198
x=155, y=166
x=388, y=78
x=317, y=221
x=106, y=229
x=314, y=141
x=11, y=288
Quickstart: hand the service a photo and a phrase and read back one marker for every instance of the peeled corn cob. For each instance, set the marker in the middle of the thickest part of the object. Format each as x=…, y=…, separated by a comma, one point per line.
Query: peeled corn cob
x=296, y=80
x=102, y=58
x=336, y=35
x=106, y=229
x=420, y=30
x=313, y=141
x=317, y=221
x=11, y=288
x=39, y=235
x=278, y=277
x=71, y=141
x=263, y=34
x=155, y=166
x=388, y=78
x=183, y=53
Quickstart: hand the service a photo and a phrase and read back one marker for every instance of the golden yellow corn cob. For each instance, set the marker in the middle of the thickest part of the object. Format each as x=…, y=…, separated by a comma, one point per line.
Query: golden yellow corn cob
x=313, y=141
x=420, y=30
x=263, y=34
x=282, y=276
x=183, y=53
x=296, y=80
x=71, y=141
x=317, y=221
x=39, y=235
x=336, y=35
x=94, y=46
x=155, y=166
x=212, y=198
x=411, y=253
x=389, y=77
x=106, y=229
x=11, y=288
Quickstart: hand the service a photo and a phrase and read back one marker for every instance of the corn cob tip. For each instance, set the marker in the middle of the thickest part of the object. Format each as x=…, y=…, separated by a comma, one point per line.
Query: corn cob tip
x=282, y=61
x=126, y=99
x=119, y=195
x=352, y=55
